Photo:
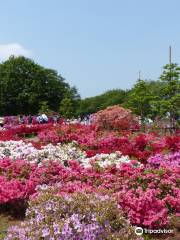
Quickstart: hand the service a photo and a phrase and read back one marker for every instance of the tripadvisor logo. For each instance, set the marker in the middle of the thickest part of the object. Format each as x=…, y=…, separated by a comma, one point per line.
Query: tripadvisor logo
x=138, y=231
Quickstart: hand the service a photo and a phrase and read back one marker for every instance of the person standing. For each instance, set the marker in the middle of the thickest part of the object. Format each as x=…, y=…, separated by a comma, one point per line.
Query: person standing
x=1, y=122
x=44, y=118
x=30, y=119
x=21, y=119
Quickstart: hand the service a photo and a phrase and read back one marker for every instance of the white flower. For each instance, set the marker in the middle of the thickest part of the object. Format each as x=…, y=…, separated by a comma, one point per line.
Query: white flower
x=60, y=152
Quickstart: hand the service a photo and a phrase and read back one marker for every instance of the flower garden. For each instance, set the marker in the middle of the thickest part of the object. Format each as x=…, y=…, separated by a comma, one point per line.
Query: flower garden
x=97, y=181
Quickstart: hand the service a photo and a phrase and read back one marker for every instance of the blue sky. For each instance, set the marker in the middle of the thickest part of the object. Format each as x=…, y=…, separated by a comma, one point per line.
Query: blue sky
x=95, y=45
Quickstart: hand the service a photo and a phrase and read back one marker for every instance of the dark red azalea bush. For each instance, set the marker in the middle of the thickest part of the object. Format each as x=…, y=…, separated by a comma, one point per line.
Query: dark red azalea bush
x=147, y=195
x=7, y=135
x=173, y=143
x=139, y=146
x=15, y=132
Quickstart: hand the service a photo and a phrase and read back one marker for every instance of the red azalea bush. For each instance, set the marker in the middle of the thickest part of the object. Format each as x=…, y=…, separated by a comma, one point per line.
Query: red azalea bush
x=7, y=135
x=48, y=136
x=15, y=132
x=140, y=146
x=115, y=117
x=68, y=133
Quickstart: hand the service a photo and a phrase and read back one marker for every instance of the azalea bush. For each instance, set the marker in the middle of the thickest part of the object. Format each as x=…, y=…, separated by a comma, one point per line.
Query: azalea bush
x=172, y=159
x=21, y=150
x=137, y=174
x=51, y=216
x=150, y=196
x=115, y=117
x=61, y=152
x=104, y=160
x=19, y=178
x=18, y=131
x=68, y=132
x=140, y=146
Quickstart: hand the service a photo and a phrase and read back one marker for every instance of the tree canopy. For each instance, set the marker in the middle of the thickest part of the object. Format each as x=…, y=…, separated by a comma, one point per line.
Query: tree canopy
x=24, y=85
x=141, y=96
x=168, y=102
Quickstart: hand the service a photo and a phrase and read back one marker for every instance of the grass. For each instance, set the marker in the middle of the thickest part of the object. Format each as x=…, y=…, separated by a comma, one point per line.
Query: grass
x=5, y=222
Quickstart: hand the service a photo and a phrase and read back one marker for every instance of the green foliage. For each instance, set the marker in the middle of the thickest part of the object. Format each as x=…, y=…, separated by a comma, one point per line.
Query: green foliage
x=25, y=85
x=168, y=103
x=69, y=104
x=94, y=104
x=140, y=97
x=66, y=108
x=44, y=107
x=6, y=221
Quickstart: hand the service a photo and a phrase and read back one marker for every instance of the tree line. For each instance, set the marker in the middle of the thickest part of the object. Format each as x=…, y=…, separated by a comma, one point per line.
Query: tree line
x=147, y=98
x=28, y=88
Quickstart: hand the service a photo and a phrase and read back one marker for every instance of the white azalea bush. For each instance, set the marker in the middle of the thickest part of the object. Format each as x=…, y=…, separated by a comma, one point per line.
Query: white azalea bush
x=105, y=160
x=60, y=152
x=16, y=149
x=21, y=150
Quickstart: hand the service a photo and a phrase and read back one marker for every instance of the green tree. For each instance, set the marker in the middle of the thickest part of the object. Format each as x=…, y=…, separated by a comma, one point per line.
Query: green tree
x=44, y=107
x=66, y=108
x=24, y=85
x=168, y=103
x=139, y=99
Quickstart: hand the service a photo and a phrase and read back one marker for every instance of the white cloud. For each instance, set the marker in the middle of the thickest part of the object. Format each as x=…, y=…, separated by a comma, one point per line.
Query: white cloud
x=6, y=50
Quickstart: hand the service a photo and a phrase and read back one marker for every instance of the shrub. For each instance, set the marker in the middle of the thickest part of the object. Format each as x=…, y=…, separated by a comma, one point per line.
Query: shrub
x=77, y=216
x=114, y=117
x=172, y=159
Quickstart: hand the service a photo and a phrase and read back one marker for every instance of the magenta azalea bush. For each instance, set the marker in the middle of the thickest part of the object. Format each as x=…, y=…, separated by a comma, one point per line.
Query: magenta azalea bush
x=148, y=196
x=172, y=159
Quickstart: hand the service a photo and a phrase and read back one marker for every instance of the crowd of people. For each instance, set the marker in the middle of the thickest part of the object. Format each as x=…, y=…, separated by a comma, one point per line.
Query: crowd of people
x=41, y=119
x=86, y=120
x=22, y=119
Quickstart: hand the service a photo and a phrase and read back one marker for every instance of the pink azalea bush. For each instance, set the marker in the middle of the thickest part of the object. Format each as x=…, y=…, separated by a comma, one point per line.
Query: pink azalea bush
x=148, y=196
x=115, y=117
x=172, y=159
x=151, y=195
